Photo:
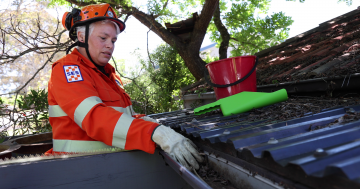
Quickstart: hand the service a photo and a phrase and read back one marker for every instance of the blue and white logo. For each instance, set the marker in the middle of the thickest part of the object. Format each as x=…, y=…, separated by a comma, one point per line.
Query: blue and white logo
x=110, y=14
x=72, y=73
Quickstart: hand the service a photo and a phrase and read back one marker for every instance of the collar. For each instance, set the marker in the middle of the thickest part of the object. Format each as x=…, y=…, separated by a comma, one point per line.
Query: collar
x=108, y=67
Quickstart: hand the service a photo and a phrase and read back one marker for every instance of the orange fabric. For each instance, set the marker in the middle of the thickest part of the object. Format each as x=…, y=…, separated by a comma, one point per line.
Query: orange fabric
x=138, y=116
x=136, y=131
x=49, y=152
x=52, y=152
x=100, y=122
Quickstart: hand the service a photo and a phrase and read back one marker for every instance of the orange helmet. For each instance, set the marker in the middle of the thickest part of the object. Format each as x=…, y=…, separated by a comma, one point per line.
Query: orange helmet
x=89, y=14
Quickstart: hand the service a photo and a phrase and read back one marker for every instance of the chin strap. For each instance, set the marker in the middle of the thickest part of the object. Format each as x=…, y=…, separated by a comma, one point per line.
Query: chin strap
x=86, y=44
x=80, y=44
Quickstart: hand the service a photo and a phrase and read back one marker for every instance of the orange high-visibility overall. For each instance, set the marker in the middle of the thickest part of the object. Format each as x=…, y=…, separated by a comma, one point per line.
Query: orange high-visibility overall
x=90, y=111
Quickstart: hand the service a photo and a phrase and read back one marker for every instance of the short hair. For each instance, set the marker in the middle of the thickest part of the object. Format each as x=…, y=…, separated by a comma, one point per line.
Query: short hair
x=91, y=28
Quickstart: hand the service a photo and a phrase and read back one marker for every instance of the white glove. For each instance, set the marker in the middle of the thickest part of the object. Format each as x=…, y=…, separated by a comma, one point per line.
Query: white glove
x=177, y=146
x=146, y=118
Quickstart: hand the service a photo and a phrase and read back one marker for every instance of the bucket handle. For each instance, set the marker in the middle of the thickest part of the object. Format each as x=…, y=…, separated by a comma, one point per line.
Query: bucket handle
x=230, y=84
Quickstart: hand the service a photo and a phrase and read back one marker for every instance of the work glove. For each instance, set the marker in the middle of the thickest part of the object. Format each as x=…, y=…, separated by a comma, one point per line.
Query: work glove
x=177, y=146
x=146, y=118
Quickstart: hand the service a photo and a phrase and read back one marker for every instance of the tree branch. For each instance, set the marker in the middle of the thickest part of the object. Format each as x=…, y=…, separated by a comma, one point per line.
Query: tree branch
x=225, y=36
x=157, y=28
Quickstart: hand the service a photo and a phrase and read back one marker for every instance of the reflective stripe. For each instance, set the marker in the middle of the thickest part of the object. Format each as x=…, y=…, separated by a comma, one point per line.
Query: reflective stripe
x=84, y=107
x=126, y=110
x=78, y=145
x=56, y=111
x=121, y=130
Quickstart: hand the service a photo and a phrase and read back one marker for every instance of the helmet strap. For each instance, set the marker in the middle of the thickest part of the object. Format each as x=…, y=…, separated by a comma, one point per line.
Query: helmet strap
x=71, y=46
x=86, y=45
x=80, y=44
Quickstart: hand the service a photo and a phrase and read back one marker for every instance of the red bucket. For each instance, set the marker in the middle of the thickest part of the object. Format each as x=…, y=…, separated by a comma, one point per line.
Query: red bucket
x=232, y=75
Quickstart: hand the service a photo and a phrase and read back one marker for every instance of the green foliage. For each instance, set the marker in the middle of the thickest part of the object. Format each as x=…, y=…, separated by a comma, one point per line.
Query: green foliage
x=250, y=33
x=1, y=103
x=157, y=8
x=164, y=75
x=209, y=59
x=35, y=111
x=29, y=116
x=54, y=3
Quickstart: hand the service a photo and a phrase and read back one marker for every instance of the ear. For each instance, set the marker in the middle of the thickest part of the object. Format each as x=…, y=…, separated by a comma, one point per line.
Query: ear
x=80, y=36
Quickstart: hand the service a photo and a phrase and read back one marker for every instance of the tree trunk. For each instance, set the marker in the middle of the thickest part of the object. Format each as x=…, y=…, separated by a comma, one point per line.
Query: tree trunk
x=193, y=61
x=225, y=36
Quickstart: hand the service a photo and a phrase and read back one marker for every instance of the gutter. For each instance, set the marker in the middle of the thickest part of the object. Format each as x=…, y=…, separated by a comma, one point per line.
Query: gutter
x=240, y=177
x=189, y=177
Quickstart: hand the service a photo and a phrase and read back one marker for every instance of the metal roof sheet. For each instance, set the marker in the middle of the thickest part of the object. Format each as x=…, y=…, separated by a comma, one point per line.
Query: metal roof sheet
x=319, y=145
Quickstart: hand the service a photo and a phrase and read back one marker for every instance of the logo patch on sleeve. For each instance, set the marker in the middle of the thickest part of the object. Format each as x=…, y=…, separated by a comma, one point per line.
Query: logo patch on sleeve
x=72, y=73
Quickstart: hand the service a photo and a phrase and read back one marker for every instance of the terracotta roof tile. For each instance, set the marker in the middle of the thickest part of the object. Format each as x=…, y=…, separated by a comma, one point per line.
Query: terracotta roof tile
x=341, y=48
x=323, y=51
x=316, y=52
x=296, y=68
x=314, y=64
x=327, y=66
x=352, y=62
x=354, y=47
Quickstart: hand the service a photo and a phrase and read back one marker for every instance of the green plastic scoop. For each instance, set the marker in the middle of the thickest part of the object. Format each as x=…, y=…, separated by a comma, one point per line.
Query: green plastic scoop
x=243, y=102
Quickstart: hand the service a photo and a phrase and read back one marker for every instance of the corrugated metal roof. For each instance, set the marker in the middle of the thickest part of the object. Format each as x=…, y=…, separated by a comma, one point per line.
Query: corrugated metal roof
x=320, y=145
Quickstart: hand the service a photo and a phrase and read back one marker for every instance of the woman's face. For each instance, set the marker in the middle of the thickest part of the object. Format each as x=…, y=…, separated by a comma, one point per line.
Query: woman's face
x=102, y=42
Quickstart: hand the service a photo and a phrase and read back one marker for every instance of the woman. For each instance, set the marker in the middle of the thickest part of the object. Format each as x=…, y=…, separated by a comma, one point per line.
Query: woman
x=88, y=108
